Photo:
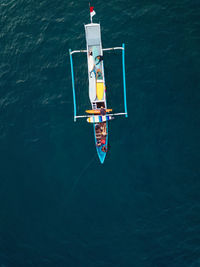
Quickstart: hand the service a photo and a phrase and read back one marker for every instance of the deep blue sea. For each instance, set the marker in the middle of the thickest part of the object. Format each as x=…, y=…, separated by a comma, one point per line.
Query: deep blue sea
x=59, y=207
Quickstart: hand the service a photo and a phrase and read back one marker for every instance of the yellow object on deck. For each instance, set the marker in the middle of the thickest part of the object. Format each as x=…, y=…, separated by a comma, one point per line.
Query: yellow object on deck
x=100, y=90
x=97, y=111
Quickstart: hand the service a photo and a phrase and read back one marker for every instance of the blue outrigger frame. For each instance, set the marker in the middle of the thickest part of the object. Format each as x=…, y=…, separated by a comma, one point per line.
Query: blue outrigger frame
x=73, y=84
x=124, y=80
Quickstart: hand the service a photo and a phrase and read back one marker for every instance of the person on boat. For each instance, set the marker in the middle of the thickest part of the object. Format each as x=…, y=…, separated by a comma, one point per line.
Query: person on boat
x=103, y=129
x=97, y=127
x=98, y=143
x=103, y=111
x=100, y=58
x=104, y=133
x=99, y=74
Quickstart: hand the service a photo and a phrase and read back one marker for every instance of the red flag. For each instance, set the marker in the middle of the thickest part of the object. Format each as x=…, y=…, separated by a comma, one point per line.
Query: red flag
x=92, y=12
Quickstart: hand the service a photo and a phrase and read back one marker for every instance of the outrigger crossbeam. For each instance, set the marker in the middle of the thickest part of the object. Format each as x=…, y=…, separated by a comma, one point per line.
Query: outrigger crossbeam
x=124, y=79
x=112, y=48
x=87, y=116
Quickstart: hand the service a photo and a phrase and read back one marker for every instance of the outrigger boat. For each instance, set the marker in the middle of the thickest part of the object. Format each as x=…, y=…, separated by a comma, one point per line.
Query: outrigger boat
x=99, y=113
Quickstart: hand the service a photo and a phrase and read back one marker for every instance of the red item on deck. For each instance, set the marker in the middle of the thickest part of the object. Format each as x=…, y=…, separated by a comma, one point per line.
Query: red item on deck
x=103, y=141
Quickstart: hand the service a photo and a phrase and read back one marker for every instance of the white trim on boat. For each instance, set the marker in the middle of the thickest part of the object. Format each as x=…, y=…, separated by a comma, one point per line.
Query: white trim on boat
x=112, y=48
x=78, y=51
x=113, y=114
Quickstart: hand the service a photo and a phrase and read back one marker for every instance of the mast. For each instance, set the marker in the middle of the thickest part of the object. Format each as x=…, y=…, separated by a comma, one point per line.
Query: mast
x=90, y=13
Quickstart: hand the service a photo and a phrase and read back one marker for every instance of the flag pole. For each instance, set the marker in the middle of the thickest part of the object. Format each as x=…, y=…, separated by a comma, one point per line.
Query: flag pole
x=90, y=14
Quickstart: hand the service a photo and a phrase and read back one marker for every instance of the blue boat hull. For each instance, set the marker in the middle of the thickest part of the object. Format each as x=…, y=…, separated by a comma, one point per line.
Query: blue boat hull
x=101, y=154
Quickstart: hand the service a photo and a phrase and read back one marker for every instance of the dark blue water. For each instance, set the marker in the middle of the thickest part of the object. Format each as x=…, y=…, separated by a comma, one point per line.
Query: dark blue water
x=58, y=205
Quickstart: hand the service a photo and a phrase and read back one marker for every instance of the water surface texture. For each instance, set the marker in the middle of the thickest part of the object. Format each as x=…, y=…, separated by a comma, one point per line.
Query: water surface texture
x=58, y=205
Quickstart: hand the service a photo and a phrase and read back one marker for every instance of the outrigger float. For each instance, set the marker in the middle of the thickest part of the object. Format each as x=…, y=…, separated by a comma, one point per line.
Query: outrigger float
x=99, y=115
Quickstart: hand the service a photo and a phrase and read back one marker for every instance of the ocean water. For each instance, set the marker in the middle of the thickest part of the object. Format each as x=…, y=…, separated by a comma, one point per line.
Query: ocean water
x=58, y=205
